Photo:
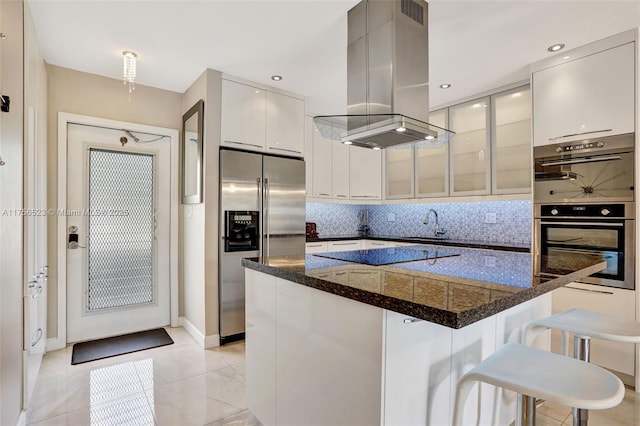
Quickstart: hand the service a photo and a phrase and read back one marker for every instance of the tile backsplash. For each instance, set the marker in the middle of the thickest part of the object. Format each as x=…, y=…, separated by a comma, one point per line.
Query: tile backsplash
x=461, y=220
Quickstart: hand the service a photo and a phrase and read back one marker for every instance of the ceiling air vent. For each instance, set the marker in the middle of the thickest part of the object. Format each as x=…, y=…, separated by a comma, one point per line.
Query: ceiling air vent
x=413, y=10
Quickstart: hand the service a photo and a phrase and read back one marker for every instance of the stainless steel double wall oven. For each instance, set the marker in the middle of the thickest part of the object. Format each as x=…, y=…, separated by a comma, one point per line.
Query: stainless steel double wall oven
x=584, y=202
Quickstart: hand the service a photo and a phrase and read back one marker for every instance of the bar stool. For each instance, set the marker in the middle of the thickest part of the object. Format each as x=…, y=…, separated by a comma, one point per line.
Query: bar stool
x=584, y=325
x=534, y=373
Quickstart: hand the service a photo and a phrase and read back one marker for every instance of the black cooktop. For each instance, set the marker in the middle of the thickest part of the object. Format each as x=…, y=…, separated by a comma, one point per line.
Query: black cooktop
x=387, y=256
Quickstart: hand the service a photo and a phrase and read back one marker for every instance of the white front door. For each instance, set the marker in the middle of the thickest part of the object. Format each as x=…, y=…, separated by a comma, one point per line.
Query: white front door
x=118, y=229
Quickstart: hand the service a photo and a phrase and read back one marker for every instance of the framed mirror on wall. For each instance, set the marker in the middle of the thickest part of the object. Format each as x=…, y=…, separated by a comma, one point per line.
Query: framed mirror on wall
x=192, y=139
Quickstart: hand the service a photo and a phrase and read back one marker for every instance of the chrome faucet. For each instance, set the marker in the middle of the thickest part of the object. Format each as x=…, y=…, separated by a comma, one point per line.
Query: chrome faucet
x=437, y=232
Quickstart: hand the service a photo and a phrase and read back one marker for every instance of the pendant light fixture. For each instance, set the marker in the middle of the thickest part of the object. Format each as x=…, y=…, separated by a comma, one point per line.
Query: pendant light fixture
x=129, y=70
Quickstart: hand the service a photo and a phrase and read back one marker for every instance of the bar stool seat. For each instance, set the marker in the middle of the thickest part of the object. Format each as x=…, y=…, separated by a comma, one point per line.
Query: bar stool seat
x=584, y=323
x=539, y=374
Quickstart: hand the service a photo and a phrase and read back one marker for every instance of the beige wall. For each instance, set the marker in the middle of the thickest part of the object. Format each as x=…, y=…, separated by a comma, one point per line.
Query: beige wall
x=192, y=236
x=92, y=95
x=11, y=183
x=200, y=221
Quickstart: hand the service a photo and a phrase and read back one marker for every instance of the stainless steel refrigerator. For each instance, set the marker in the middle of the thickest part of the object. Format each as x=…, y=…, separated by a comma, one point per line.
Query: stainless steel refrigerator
x=262, y=213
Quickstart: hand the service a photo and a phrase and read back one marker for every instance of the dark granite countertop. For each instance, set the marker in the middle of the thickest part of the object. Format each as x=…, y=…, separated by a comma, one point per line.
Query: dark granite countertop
x=493, y=245
x=453, y=291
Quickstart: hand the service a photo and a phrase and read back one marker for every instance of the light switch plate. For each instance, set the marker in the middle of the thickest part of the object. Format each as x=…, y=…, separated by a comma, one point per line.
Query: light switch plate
x=391, y=217
x=490, y=218
x=188, y=211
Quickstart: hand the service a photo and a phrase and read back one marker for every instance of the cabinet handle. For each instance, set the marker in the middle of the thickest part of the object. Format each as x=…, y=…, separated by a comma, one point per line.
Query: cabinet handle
x=326, y=195
x=365, y=196
x=344, y=244
x=37, y=339
x=341, y=273
x=314, y=245
x=286, y=150
x=411, y=320
x=244, y=143
x=341, y=196
x=589, y=290
x=578, y=134
x=580, y=161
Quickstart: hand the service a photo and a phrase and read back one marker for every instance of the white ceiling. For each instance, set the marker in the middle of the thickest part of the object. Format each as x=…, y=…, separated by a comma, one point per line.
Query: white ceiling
x=474, y=45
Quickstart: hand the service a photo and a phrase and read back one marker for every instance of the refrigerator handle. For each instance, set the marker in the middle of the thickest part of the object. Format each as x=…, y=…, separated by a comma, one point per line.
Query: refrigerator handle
x=266, y=215
x=261, y=219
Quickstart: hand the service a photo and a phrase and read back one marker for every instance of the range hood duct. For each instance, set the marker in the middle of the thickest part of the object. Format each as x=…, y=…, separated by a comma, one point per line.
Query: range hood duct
x=387, y=79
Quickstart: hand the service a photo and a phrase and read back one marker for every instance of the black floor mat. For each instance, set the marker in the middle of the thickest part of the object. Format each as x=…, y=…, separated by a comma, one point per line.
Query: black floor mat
x=119, y=345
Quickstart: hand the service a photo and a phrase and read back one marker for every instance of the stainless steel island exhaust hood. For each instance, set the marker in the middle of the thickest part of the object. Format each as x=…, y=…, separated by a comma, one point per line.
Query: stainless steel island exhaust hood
x=387, y=79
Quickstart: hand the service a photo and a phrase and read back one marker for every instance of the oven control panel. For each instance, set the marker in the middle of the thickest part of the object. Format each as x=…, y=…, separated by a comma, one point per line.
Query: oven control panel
x=583, y=210
x=580, y=146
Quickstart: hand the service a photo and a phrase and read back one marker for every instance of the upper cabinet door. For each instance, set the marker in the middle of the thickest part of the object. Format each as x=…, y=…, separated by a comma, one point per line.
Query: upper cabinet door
x=511, y=141
x=322, y=167
x=432, y=164
x=365, y=173
x=243, y=116
x=399, y=173
x=588, y=97
x=340, y=170
x=285, y=124
x=469, y=151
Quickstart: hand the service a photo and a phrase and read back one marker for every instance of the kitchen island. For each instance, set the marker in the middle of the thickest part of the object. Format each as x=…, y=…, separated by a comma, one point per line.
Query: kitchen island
x=331, y=342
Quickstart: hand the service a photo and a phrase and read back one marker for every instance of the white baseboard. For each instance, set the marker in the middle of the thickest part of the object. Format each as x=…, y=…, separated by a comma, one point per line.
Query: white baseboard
x=212, y=341
x=54, y=343
x=205, y=342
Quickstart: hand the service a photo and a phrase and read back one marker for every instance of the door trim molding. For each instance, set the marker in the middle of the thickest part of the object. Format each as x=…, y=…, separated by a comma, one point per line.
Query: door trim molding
x=64, y=119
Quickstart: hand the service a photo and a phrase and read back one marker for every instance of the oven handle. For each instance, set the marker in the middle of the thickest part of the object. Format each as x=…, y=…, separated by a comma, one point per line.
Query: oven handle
x=580, y=160
x=584, y=223
x=589, y=290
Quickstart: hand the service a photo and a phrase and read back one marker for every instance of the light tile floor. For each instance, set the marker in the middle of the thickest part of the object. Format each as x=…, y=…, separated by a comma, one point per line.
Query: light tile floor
x=179, y=384
x=182, y=385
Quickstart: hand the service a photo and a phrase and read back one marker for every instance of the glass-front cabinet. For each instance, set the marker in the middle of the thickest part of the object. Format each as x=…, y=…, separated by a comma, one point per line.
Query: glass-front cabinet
x=511, y=141
x=432, y=164
x=399, y=169
x=490, y=152
x=469, y=161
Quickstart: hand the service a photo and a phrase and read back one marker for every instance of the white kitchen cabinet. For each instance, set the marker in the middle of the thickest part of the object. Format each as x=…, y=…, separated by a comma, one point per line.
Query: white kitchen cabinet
x=340, y=171
x=365, y=174
x=374, y=244
x=432, y=164
x=308, y=155
x=322, y=170
x=285, y=124
x=612, y=301
x=316, y=247
x=511, y=141
x=344, y=245
x=591, y=96
x=243, y=118
x=469, y=163
x=399, y=244
x=399, y=165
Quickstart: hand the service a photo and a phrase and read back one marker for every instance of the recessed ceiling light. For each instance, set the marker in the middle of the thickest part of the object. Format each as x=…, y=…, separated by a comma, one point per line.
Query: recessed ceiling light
x=555, y=47
x=516, y=95
x=276, y=77
x=401, y=129
x=429, y=137
x=256, y=91
x=476, y=105
x=376, y=148
x=566, y=57
x=347, y=142
x=445, y=86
